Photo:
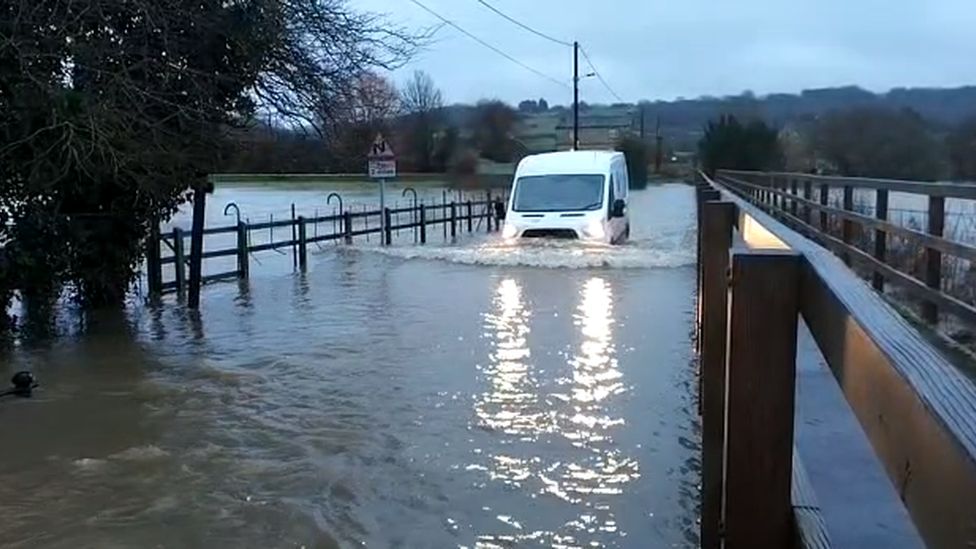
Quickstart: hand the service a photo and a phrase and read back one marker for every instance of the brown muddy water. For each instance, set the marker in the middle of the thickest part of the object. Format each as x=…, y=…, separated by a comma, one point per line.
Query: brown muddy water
x=458, y=395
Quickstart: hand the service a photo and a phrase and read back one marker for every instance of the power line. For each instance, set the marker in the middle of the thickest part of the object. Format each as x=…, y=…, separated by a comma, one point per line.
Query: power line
x=489, y=46
x=523, y=25
x=599, y=76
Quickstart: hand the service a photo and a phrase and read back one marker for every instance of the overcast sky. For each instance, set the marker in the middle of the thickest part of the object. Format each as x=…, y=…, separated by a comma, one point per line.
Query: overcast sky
x=664, y=49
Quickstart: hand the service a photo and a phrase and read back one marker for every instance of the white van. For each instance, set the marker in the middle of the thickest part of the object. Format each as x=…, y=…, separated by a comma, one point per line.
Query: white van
x=578, y=195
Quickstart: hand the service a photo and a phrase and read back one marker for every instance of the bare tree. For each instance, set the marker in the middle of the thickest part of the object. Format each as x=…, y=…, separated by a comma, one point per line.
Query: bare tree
x=422, y=103
x=420, y=95
x=368, y=109
x=110, y=111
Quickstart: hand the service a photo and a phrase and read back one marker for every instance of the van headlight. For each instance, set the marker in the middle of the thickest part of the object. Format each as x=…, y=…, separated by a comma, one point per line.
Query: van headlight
x=509, y=231
x=594, y=229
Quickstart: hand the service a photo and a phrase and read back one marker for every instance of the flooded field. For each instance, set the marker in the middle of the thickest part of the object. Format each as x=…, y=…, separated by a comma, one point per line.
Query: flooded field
x=474, y=394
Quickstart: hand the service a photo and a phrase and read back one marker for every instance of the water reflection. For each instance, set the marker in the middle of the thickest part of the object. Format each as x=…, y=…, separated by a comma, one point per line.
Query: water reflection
x=511, y=404
x=575, y=405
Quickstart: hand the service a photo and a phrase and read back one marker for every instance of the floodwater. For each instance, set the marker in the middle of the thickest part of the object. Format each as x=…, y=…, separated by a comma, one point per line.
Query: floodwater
x=456, y=395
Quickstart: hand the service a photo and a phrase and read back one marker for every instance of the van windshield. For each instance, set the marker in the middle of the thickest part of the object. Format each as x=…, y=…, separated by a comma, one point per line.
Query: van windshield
x=558, y=193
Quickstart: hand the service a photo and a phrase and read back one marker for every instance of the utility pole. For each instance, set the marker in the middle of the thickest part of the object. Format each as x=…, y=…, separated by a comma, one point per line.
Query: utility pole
x=659, y=152
x=575, y=96
x=641, y=107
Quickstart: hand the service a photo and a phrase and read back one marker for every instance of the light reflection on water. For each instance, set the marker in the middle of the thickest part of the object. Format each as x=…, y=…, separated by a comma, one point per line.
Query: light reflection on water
x=511, y=406
x=574, y=409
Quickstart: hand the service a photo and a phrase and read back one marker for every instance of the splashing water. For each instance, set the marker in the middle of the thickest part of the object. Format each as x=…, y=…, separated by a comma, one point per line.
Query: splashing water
x=663, y=236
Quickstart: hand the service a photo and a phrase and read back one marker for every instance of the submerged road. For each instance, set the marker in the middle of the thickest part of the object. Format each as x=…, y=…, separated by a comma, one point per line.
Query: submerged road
x=464, y=395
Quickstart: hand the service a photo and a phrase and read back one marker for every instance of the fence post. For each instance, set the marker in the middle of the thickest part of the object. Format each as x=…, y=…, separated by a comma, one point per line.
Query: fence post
x=154, y=260
x=179, y=259
x=294, y=250
x=488, y=210
x=196, y=246
x=847, y=226
x=760, y=408
x=302, y=245
x=933, y=258
x=793, y=191
x=453, y=220
x=347, y=225
x=824, y=199
x=808, y=196
x=243, y=268
x=705, y=194
x=880, y=237
x=468, y=206
x=423, y=224
x=716, y=241
x=387, y=227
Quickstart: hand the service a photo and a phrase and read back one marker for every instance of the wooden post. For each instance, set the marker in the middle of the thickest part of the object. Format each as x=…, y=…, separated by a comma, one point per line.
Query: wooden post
x=366, y=222
x=294, y=250
x=760, y=408
x=824, y=199
x=933, y=258
x=880, y=237
x=468, y=206
x=423, y=224
x=154, y=260
x=243, y=268
x=453, y=220
x=705, y=195
x=443, y=216
x=488, y=210
x=716, y=241
x=196, y=246
x=179, y=262
x=847, y=226
x=302, y=245
x=271, y=230
x=387, y=224
x=808, y=195
x=347, y=226
x=793, y=191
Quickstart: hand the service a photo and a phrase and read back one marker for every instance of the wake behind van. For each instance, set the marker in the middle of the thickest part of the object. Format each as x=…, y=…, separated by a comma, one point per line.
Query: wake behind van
x=577, y=195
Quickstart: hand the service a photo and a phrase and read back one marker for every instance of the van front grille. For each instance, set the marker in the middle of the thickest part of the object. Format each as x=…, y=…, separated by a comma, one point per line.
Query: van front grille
x=550, y=233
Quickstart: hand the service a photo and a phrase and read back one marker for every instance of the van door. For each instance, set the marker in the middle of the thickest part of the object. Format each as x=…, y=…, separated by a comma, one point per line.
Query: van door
x=617, y=225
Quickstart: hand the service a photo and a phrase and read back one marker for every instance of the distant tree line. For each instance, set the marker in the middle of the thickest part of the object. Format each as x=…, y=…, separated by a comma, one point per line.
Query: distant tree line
x=427, y=135
x=866, y=141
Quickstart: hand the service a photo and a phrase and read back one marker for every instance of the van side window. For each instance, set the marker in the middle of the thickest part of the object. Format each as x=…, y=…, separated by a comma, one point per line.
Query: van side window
x=622, y=191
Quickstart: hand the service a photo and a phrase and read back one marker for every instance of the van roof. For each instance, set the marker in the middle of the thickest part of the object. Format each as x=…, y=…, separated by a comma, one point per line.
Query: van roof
x=567, y=162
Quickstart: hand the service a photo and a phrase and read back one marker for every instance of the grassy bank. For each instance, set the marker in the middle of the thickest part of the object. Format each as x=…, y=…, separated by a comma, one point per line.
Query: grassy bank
x=332, y=180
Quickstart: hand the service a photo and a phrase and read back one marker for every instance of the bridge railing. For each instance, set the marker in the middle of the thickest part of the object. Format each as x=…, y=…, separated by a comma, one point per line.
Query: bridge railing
x=803, y=201
x=170, y=249
x=758, y=278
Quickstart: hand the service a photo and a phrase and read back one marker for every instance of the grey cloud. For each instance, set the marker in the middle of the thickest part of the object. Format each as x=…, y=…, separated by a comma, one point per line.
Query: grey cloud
x=663, y=49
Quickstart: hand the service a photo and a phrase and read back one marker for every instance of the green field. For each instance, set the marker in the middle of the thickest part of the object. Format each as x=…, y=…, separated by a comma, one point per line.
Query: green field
x=333, y=180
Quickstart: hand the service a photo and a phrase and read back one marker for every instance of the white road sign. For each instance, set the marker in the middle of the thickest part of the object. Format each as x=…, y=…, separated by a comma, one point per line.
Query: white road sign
x=382, y=169
x=382, y=161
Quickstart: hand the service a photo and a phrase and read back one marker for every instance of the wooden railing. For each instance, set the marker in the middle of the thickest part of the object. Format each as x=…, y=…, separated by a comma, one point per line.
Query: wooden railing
x=790, y=198
x=455, y=217
x=916, y=409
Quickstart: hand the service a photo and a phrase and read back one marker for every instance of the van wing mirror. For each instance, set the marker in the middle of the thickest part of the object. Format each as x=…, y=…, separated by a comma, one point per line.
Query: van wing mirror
x=619, y=208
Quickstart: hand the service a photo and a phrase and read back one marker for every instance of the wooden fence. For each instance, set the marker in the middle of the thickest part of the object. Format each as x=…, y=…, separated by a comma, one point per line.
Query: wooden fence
x=454, y=217
x=790, y=198
x=916, y=409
